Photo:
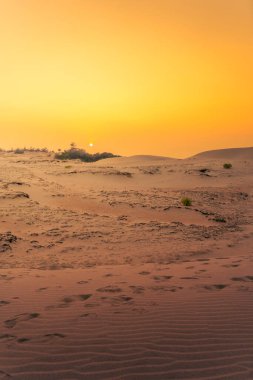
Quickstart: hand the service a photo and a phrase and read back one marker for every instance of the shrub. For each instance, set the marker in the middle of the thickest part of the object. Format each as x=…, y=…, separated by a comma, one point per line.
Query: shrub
x=19, y=151
x=28, y=150
x=75, y=153
x=186, y=201
x=227, y=166
x=220, y=219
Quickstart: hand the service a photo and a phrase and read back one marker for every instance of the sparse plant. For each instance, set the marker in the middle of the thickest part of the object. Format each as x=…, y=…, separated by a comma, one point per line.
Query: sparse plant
x=186, y=201
x=219, y=219
x=19, y=151
x=28, y=150
x=227, y=165
x=68, y=167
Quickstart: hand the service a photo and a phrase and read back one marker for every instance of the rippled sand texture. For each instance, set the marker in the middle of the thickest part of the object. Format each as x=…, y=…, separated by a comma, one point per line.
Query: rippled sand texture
x=106, y=275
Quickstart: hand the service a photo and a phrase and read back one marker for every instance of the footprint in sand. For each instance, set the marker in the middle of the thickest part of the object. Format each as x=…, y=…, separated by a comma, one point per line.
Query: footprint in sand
x=23, y=340
x=144, y=273
x=243, y=279
x=203, y=259
x=3, y=303
x=231, y=265
x=84, y=297
x=54, y=335
x=244, y=288
x=5, y=374
x=10, y=323
x=137, y=289
x=167, y=288
x=189, y=278
x=162, y=278
x=85, y=315
x=215, y=287
x=118, y=299
x=110, y=289
x=41, y=289
x=90, y=305
x=124, y=298
x=69, y=299
x=7, y=337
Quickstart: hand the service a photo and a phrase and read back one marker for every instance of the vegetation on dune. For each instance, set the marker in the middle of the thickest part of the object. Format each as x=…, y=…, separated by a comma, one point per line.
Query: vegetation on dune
x=227, y=166
x=19, y=151
x=186, y=201
x=25, y=150
x=74, y=153
x=219, y=219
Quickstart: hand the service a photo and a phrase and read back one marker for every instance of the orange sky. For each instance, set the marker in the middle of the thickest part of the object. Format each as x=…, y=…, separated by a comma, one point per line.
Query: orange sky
x=168, y=77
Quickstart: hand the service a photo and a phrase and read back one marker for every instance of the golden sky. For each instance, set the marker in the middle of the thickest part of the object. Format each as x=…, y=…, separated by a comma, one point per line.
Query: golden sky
x=166, y=77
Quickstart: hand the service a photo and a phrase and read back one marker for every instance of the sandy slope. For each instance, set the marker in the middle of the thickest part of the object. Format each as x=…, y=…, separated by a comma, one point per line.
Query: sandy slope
x=225, y=154
x=105, y=275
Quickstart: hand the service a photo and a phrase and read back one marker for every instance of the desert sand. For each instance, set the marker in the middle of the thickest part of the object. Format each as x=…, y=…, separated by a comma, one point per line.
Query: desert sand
x=106, y=275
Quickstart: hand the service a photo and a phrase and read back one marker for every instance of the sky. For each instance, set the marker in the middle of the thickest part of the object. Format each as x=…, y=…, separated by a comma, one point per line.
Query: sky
x=163, y=77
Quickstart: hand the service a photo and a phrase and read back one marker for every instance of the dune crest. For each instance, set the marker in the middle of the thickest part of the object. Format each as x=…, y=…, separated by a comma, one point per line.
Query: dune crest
x=232, y=154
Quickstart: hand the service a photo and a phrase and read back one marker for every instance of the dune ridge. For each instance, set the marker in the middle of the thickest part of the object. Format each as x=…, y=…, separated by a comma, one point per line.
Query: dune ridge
x=225, y=154
x=231, y=153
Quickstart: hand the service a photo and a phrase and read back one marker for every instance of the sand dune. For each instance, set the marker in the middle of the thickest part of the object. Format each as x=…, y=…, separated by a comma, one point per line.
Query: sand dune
x=106, y=275
x=225, y=154
x=136, y=160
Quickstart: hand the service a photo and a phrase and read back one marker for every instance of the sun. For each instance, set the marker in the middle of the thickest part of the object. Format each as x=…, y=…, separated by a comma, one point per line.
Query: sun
x=91, y=145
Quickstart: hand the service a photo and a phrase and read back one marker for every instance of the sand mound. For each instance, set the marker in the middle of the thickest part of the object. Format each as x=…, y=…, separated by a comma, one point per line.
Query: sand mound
x=149, y=160
x=233, y=153
x=135, y=160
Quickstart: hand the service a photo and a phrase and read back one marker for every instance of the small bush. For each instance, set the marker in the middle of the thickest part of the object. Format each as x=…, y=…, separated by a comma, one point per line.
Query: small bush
x=220, y=219
x=227, y=166
x=19, y=151
x=75, y=153
x=68, y=167
x=28, y=150
x=186, y=201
